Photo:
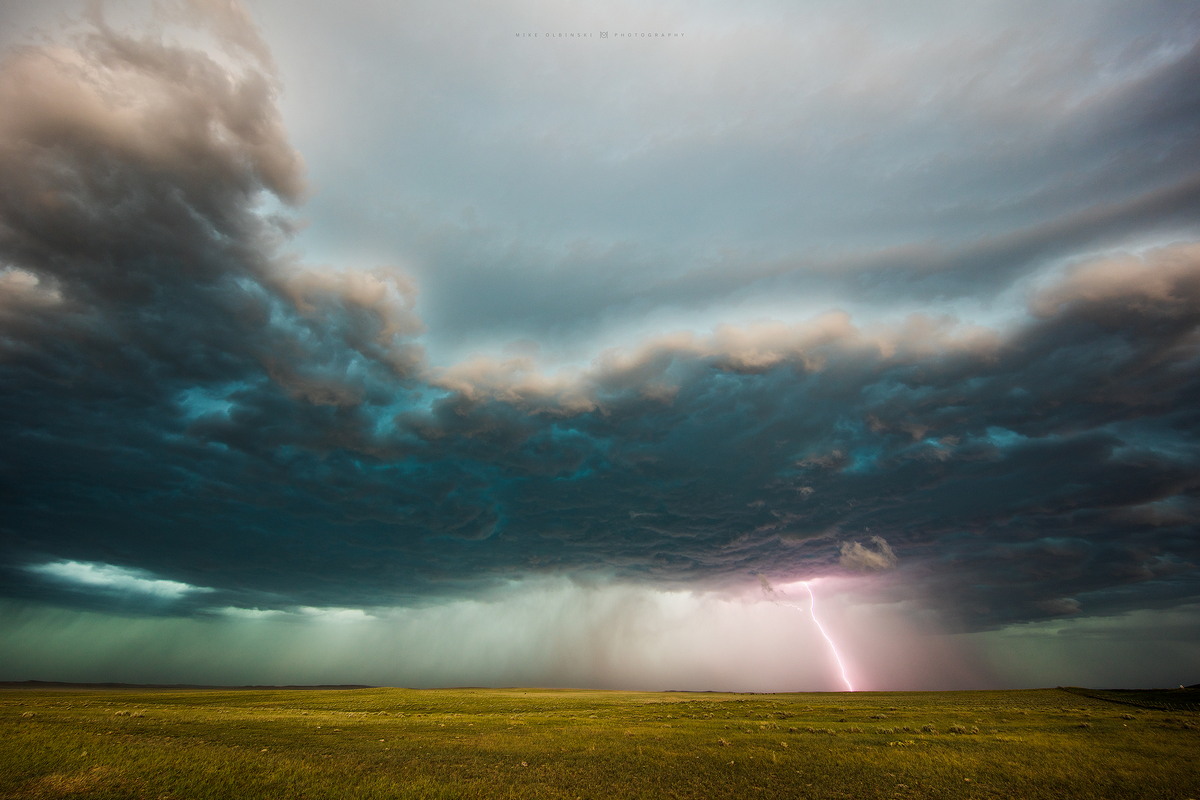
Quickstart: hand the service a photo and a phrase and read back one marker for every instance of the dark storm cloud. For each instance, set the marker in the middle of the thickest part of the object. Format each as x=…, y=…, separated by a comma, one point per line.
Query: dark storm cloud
x=183, y=402
x=142, y=293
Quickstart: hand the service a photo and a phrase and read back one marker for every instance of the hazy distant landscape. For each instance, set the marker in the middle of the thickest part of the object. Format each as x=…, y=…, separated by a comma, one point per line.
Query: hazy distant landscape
x=496, y=743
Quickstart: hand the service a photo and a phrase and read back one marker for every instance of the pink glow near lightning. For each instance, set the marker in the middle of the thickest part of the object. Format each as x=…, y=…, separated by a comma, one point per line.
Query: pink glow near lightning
x=812, y=610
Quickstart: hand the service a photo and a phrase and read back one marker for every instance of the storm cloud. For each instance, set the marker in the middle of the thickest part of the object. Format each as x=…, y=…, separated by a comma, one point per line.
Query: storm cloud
x=962, y=376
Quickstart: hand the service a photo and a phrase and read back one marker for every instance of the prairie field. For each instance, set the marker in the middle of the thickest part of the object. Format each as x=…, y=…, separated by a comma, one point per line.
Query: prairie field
x=535, y=743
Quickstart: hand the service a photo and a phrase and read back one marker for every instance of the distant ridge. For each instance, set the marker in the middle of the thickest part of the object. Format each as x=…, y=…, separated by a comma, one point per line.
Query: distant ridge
x=67, y=685
x=1181, y=699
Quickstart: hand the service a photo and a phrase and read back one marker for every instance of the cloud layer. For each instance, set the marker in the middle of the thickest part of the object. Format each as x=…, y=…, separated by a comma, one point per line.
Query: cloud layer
x=186, y=402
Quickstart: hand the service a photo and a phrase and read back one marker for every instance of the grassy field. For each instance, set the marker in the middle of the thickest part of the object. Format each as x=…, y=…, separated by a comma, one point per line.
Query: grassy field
x=395, y=743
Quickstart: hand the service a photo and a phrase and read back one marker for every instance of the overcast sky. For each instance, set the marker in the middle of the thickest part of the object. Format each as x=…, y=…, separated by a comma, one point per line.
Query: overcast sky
x=559, y=343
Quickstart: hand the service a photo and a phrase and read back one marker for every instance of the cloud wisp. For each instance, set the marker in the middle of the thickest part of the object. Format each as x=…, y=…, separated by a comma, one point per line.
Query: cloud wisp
x=118, y=580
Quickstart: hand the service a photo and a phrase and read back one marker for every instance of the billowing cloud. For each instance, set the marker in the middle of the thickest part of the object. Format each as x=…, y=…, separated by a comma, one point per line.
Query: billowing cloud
x=655, y=356
x=875, y=556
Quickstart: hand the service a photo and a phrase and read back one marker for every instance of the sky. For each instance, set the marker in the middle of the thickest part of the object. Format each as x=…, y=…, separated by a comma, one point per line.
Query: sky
x=754, y=346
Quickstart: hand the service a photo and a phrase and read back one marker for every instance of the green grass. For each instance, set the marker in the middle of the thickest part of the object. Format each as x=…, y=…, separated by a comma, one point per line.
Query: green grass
x=395, y=743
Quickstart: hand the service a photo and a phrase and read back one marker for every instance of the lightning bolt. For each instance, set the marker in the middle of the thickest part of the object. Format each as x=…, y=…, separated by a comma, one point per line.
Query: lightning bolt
x=774, y=596
x=812, y=610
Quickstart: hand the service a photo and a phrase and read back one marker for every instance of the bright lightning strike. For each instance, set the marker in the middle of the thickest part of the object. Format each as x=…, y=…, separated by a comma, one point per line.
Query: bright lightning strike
x=774, y=596
x=812, y=610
